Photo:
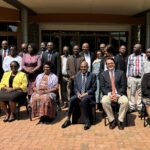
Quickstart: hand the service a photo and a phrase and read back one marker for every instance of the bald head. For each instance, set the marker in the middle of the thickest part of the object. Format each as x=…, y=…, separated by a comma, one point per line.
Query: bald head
x=4, y=44
x=66, y=50
x=137, y=48
x=50, y=46
x=24, y=47
x=84, y=67
x=85, y=47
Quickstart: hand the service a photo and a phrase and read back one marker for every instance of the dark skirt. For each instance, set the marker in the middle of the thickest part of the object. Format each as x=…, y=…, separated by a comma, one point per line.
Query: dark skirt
x=15, y=96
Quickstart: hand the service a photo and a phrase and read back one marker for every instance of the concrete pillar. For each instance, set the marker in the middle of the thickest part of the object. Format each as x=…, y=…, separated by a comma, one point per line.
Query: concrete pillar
x=24, y=24
x=148, y=30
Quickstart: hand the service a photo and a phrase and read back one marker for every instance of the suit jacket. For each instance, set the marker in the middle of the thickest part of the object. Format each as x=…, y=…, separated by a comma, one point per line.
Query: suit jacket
x=55, y=61
x=90, y=86
x=120, y=82
x=121, y=62
x=145, y=85
x=71, y=68
x=1, y=52
x=91, y=56
x=1, y=62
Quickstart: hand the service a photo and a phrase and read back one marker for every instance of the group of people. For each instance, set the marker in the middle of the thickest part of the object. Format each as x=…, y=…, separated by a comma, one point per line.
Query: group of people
x=84, y=78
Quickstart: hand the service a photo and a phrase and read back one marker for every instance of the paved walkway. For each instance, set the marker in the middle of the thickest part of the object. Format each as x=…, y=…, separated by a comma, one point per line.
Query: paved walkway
x=24, y=134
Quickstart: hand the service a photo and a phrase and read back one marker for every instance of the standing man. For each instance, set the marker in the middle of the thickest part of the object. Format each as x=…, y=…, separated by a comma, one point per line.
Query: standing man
x=108, y=53
x=24, y=49
x=84, y=89
x=102, y=48
x=88, y=56
x=121, y=59
x=42, y=48
x=113, y=86
x=134, y=74
x=3, y=53
x=65, y=88
x=73, y=66
x=53, y=57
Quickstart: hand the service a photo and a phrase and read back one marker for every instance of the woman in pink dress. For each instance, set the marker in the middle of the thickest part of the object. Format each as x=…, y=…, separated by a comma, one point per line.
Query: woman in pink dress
x=31, y=66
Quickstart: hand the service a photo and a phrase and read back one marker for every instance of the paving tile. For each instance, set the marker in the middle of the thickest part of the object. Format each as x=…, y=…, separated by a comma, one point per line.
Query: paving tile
x=26, y=135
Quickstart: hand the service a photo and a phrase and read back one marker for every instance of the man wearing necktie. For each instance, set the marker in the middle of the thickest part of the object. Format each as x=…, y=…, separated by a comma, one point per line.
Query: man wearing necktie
x=84, y=89
x=3, y=53
x=113, y=86
x=50, y=55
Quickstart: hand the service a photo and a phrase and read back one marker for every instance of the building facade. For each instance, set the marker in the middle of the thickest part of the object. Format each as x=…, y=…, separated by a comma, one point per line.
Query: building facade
x=23, y=21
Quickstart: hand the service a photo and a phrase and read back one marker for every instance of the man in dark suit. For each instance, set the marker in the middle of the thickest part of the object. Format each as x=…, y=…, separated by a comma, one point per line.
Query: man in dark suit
x=89, y=56
x=84, y=88
x=50, y=55
x=113, y=86
x=121, y=59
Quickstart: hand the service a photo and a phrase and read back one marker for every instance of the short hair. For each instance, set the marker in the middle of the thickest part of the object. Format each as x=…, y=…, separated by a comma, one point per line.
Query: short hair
x=15, y=63
x=110, y=58
x=12, y=46
x=48, y=64
x=110, y=49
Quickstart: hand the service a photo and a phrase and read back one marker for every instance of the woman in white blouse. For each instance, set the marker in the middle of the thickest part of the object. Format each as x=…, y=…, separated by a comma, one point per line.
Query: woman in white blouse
x=13, y=56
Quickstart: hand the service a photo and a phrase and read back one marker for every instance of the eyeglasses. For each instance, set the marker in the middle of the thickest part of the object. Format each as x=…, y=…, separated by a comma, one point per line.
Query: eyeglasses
x=109, y=63
x=13, y=66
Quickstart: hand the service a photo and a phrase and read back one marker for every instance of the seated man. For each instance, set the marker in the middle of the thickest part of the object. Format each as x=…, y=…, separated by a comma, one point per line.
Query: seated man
x=146, y=93
x=84, y=89
x=113, y=86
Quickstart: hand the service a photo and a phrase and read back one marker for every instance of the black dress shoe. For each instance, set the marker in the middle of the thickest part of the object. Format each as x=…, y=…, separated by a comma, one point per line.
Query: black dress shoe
x=112, y=124
x=120, y=125
x=66, y=124
x=87, y=125
x=148, y=121
x=11, y=120
x=6, y=120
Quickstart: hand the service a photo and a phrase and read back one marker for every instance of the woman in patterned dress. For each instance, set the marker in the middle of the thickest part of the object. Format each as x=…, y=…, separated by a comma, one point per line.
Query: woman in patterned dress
x=44, y=96
x=31, y=66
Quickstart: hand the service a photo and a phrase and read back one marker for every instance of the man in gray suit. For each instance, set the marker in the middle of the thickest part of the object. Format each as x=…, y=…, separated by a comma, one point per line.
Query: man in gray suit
x=113, y=86
x=84, y=89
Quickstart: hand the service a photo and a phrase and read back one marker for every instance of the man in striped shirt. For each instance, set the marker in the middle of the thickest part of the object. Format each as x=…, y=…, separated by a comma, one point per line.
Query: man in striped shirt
x=134, y=73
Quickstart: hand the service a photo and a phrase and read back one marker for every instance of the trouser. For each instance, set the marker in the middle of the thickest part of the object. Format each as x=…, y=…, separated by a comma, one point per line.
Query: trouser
x=134, y=85
x=65, y=89
x=85, y=105
x=124, y=104
x=98, y=92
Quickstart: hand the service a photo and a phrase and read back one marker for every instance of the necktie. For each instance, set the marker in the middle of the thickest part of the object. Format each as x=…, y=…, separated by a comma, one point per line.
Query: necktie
x=75, y=64
x=49, y=57
x=113, y=84
x=83, y=84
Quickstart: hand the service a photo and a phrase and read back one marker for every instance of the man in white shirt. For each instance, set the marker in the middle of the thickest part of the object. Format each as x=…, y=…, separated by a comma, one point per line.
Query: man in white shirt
x=88, y=56
x=65, y=88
